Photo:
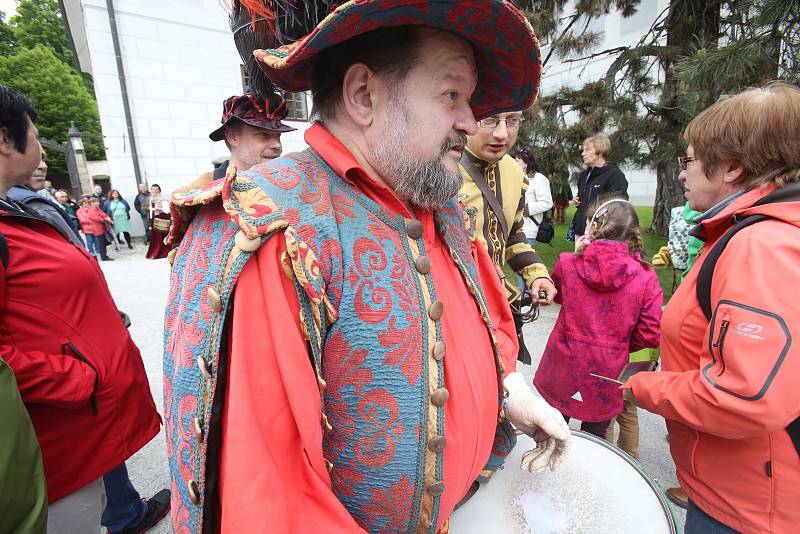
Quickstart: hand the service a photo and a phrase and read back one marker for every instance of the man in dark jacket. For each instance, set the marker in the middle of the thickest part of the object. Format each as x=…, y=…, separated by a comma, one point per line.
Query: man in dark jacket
x=600, y=178
x=142, y=206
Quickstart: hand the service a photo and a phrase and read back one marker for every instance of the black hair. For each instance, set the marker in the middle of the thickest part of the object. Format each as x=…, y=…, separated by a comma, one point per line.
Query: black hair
x=15, y=110
x=389, y=52
x=156, y=185
x=526, y=156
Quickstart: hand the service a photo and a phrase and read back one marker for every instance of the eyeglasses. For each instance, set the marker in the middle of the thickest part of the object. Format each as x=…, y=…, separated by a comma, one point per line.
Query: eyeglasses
x=493, y=122
x=683, y=162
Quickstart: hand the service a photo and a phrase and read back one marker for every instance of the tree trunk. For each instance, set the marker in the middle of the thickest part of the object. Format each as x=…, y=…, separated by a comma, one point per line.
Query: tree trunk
x=687, y=21
x=669, y=194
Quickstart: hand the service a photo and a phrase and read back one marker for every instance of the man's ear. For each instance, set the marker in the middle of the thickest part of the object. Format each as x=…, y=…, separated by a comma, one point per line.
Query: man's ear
x=5, y=142
x=230, y=137
x=358, y=100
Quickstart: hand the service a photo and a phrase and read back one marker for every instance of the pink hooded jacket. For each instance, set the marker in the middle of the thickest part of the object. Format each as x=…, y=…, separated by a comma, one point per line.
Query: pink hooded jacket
x=611, y=306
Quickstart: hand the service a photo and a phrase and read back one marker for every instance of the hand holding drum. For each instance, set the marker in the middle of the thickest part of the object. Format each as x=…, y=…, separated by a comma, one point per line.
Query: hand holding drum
x=533, y=416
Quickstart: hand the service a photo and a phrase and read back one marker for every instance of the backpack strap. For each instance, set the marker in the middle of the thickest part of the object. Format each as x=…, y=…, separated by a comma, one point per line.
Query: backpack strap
x=704, y=279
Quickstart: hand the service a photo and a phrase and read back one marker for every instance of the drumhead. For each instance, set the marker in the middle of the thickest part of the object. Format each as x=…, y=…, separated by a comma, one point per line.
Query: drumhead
x=596, y=489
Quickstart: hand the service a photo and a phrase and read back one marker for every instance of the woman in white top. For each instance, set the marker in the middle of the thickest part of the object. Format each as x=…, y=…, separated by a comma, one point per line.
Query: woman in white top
x=538, y=199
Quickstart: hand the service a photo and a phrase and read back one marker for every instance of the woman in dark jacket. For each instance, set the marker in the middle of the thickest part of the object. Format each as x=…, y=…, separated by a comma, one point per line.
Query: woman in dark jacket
x=599, y=178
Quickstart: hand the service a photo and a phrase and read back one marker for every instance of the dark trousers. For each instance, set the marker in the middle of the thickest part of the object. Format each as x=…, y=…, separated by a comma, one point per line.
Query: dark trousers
x=127, y=238
x=100, y=244
x=699, y=522
x=146, y=221
x=124, y=507
x=598, y=429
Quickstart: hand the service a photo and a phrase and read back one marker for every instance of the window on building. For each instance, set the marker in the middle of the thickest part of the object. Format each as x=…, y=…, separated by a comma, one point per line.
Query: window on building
x=296, y=103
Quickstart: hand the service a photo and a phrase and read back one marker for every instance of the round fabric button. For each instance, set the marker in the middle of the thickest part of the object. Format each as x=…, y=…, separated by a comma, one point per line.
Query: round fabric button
x=245, y=243
x=436, y=489
x=440, y=396
x=437, y=444
x=438, y=351
x=435, y=310
x=205, y=369
x=414, y=229
x=214, y=300
x=423, y=264
x=197, y=429
x=194, y=491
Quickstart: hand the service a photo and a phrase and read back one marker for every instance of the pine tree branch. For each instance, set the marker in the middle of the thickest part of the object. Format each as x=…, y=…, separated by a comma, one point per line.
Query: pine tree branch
x=572, y=22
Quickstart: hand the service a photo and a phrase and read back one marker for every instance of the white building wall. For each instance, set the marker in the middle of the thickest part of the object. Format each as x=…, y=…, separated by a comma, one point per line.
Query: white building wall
x=180, y=64
x=617, y=31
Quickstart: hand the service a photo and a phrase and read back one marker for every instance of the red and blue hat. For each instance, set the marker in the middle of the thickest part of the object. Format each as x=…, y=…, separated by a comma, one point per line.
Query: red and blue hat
x=506, y=49
x=258, y=112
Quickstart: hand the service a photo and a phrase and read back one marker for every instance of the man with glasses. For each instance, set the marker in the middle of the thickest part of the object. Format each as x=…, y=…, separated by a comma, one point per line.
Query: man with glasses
x=494, y=187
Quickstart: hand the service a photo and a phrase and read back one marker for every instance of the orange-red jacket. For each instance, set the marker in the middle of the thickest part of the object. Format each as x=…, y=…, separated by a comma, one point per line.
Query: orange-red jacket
x=729, y=387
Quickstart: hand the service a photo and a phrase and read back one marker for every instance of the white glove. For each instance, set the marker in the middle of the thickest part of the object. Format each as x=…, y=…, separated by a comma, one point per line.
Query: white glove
x=533, y=416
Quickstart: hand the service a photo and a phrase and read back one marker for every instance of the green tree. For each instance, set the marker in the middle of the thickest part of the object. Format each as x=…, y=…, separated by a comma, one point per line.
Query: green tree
x=40, y=22
x=6, y=36
x=694, y=52
x=59, y=95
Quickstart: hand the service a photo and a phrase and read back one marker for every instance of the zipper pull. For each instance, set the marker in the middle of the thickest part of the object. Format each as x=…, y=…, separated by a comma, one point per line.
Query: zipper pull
x=723, y=329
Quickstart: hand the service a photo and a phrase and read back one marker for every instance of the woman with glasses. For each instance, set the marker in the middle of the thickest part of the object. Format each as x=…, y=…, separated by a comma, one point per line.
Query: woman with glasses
x=600, y=178
x=729, y=336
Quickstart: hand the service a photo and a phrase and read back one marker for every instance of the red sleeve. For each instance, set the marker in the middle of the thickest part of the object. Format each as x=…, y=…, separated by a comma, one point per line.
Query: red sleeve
x=647, y=332
x=54, y=379
x=272, y=475
x=499, y=310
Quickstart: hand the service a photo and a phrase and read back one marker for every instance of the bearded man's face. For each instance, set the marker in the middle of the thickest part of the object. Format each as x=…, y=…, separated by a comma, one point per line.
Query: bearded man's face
x=424, y=126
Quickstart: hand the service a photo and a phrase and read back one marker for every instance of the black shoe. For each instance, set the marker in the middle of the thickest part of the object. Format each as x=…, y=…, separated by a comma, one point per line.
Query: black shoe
x=106, y=258
x=130, y=246
x=157, y=508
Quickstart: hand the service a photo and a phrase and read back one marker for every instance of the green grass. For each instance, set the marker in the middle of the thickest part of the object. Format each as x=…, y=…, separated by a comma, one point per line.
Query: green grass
x=652, y=243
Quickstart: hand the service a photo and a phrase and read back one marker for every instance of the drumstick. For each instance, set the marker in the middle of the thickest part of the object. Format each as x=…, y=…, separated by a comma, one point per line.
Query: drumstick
x=606, y=378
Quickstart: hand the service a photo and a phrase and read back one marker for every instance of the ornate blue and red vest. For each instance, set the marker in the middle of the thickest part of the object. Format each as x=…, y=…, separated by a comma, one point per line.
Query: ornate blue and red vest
x=369, y=311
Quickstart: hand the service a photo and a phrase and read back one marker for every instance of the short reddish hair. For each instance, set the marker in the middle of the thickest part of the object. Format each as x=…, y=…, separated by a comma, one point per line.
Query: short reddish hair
x=758, y=128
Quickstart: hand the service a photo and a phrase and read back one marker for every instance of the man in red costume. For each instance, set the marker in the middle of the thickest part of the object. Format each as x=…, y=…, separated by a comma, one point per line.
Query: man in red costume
x=352, y=344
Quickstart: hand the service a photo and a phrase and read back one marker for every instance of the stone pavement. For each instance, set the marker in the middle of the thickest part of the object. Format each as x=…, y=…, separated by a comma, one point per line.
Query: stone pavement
x=140, y=287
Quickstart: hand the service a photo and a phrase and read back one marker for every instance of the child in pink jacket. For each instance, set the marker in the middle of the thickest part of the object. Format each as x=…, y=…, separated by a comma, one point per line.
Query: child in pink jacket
x=611, y=306
x=93, y=223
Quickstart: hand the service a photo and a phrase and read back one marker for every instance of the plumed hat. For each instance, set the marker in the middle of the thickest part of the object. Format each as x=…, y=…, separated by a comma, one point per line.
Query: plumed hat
x=285, y=35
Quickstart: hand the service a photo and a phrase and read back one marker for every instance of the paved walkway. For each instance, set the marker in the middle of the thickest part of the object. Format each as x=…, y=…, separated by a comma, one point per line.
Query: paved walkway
x=140, y=289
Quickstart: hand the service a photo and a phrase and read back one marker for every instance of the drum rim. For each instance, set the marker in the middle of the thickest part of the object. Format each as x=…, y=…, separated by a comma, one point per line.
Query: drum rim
x=658, y=490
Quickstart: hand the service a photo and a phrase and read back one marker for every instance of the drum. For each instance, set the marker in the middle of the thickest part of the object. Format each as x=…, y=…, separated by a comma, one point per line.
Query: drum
x=596, y=489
